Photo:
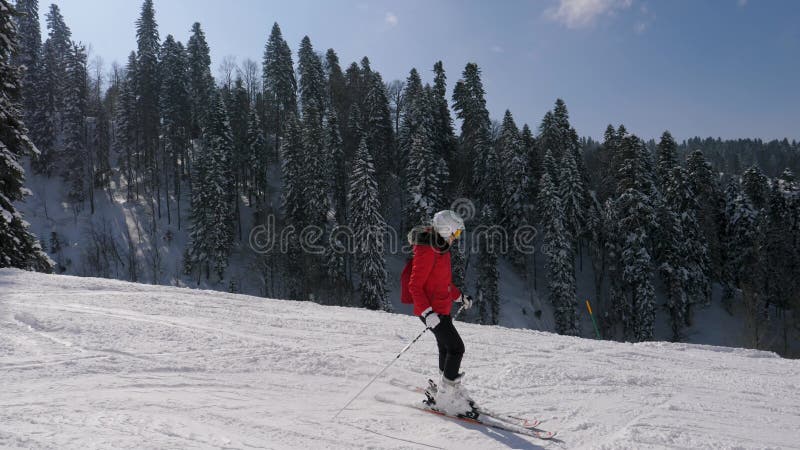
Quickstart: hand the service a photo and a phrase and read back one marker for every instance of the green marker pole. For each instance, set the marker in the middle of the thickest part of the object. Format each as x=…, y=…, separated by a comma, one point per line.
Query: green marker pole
x=596, y=330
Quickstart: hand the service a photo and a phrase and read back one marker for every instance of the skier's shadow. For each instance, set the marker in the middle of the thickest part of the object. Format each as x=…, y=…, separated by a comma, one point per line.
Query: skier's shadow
x=507, y=438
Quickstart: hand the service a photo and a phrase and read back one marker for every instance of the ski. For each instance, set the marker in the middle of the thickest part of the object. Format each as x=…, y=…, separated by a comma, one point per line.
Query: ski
x=530, y=423
x=482, y=419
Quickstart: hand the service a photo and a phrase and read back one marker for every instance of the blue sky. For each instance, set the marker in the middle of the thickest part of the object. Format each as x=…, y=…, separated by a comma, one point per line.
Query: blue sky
x=728, y=68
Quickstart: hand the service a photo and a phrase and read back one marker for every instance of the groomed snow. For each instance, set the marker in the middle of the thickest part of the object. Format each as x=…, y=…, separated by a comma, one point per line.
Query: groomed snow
x=95, y=363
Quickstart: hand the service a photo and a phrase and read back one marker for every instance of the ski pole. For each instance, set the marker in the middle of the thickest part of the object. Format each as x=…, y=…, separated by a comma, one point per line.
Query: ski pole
x=389, y=365
x=596, y=330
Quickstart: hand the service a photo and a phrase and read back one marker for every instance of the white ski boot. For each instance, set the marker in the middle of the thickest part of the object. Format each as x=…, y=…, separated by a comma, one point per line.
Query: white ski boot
x=450, y=397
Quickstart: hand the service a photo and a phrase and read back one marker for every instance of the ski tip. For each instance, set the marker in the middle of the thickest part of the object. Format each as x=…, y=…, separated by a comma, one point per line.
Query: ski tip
x=547, y=435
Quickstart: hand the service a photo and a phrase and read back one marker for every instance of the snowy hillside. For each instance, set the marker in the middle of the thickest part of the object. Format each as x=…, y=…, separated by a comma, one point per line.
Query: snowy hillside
x=95, y=363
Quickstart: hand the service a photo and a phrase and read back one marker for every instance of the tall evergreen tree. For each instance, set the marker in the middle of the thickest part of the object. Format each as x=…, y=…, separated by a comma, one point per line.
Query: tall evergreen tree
x=369, y=228
x=379, y=132
x=671, y=249
x=339, y=169
x=294, y=203
x=756, y=187
x=28, y=55
x=176, y=121
x=533, y=159
x=51, y=89
x=75, y=133
x=126, y=120
x=148, y=88
x=212, y=202
x=488, y=287
x=635, y=209
x=608, y=156
x=424, y=197
x=667, y=158
x=239, y=113
x=280, y=86
x=201, y=83
x=311, y=86
x=337, y=84
x=704, y=183
x=445, y=143
x=413, y=114
x=469, y=103
x=18, y=246
x=560, y=257
x=258, y=158
x=572, y=192
x=513, y=163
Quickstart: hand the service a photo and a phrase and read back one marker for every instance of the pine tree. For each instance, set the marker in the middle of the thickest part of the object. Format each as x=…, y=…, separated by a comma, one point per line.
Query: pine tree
x=488, y=276
x=148, y=88
x=729, y=272
x=635, y=209
x=369, y=228
x=51, y=88
x=379, y=132
x=412, y=116
x=469, y=103
x=311, y=85
x=560, y=257
x=201, y=83
x=671, y=249
x=533, y=159
x=667, y=159
x=424, y=197
x=280, y=86
x=550, y=140
x=28, y=56
x=294, y=201
x=336, y=83
x=18, y=246
x=238, y=107
x=704, y=183
x=175, y=108
x=572, y=193
x=339, y=169
x=258, y=159
x=126, y=120
x=314, y=174
x=514, y=165
x=608, y=159
x=445, y=143
x=292, y=170
x=212, y=202
x=755, y=186
x=781, y=254
x=74, y=118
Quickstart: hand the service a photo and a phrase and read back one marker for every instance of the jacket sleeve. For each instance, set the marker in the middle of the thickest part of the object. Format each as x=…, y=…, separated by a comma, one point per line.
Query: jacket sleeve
x=420, y=270
x=454, y=292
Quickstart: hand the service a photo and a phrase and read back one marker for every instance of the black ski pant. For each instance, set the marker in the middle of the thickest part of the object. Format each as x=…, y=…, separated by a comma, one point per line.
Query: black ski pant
x=451, y=347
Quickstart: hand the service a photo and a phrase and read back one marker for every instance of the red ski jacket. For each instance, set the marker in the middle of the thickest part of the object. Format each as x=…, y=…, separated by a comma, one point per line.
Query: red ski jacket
x=431, y=282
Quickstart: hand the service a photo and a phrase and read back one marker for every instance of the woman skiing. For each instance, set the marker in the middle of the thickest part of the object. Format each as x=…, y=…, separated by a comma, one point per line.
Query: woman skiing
x=433, y=293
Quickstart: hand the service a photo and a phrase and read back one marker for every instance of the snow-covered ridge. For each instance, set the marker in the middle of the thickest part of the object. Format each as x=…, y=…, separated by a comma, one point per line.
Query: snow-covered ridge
x=97, y=363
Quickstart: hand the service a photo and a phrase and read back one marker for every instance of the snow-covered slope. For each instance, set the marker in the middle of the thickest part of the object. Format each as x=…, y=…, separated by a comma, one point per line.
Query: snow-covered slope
x=95, y=363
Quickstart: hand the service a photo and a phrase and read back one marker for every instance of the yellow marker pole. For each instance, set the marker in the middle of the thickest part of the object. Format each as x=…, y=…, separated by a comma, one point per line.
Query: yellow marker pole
x=596, y=330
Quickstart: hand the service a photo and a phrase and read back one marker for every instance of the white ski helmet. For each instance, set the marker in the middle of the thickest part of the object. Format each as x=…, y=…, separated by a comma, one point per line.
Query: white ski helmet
x=447, y=223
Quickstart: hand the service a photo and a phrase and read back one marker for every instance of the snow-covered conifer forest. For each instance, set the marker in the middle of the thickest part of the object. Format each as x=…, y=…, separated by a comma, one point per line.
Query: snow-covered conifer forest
x=295, y=175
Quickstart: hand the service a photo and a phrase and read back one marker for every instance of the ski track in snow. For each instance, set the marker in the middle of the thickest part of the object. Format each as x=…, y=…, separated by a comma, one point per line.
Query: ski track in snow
x=95, y=363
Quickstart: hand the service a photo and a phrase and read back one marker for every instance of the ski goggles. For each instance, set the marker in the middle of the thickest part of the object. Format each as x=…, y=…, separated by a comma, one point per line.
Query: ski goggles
x=457, y=234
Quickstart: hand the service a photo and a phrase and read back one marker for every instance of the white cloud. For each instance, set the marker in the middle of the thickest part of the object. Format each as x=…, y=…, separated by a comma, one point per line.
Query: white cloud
x=640, y=27
x=391, y=19
x=497, y=49
x=742, y=3
x=581, y=13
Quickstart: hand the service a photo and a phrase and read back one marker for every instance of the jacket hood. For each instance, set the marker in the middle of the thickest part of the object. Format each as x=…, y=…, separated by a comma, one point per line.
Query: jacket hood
x=424, y=235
